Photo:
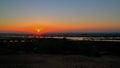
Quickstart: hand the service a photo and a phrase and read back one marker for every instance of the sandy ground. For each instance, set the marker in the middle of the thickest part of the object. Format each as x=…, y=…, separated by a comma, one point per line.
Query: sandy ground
x=58, y=61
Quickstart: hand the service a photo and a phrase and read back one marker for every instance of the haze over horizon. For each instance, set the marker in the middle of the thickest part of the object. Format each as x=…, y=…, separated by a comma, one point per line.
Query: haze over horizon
x=43, y=16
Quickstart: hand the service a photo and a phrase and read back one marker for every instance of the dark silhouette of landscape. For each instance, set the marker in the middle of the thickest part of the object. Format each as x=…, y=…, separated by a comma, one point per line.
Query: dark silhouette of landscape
x=37, y=51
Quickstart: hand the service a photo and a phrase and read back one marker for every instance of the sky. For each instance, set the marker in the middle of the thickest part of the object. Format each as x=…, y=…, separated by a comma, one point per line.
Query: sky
x=59, y=15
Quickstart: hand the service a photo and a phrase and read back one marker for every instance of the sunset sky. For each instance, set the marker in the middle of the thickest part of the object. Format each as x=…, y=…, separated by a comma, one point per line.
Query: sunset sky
x=59, y=15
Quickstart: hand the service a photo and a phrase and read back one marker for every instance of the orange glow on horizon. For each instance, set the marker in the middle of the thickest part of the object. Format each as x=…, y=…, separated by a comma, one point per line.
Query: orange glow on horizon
x=36, y=29
x=46, y=25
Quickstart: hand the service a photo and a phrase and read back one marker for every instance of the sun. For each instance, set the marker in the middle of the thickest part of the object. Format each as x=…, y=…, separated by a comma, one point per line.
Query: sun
x=38, y=30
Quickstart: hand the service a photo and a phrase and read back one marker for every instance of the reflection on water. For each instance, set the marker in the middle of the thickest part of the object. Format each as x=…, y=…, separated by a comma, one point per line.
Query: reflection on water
x=89, y=38
x=83, y=38
x=95, y=38
x=75, y=38
x=116, y=39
